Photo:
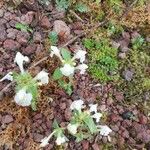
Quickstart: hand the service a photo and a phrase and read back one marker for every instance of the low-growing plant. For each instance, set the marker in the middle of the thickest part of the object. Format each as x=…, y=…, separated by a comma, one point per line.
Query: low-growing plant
x=23, y=27
x=81, y=7
x=68, y=66
x=103, y=62
x=84, y=124
x=26, y=86
x=53, y=36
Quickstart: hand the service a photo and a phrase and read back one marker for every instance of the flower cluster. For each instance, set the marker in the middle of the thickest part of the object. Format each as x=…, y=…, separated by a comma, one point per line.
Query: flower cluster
x=26, y=85
x=68, y=64
x=83, y=124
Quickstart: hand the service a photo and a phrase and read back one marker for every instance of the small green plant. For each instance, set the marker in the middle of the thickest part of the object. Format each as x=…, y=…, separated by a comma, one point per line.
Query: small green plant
x=23, y=27
x=44, y=2
x=26, y=85
x=103, y=63
x=63, y=4
x=53, y=36
x=68, y=66
x=83, y=124
x=81, y=7
x=137, y=42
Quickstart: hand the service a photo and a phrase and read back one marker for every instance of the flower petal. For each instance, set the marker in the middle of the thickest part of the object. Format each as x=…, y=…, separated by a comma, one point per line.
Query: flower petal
x=19, y=59
x=67, y=70
x=8, y=76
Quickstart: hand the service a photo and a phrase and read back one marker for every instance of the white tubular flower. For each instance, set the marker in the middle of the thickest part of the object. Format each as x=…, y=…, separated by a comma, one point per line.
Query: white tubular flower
x=23, y=98
x=78, y=105
x=72, y=128
x=56, y=51
x=82, y=68
x=60, y=140
x=105, y=130
x=8, y=76
x=19, y=59
x=80, y=54
x=67, y=70
x=42, y=77
x=93, y=108
x=97, y=116
x=44, y=142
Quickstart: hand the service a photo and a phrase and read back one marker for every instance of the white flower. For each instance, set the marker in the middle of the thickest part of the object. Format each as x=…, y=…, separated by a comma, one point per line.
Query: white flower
x=72, y=128
x=44, y=142
x=80, y=54
x=93, y=108
x=97, y=116
x=82, y=68
x=8, y=76
x=55, y=51
x=60, y=140
x=105, y=130
x=23, y=98
x=78, y=105
x=19, y=59
x=43, y=77
x=67, y=70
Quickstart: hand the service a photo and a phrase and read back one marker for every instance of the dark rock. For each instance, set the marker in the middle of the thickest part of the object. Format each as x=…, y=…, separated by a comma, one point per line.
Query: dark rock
x=27, y=18
x=68, y=114
x=142, y=119
x=37, y=38
x=37, y=137
x=38, y=116
x=135, y=35
x=122, y=55
x=115, y=117
x=128, y=75
x=127, y=115
x=126, y=35
x=12, y=33
x=95, y=146
x=61, y=28
x=10, y=44
x=2, y=34
x=45, y=23
x=85, y=145
x=119, y=96
x=7, y=119
x=30, y=49
x=115, y=128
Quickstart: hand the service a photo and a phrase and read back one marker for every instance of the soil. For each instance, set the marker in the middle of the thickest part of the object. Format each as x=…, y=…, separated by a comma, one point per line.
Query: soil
x=21, y=128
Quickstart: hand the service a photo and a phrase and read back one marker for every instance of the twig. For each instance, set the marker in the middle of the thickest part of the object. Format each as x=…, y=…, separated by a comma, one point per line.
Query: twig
x=128, y=9
x=78, y=17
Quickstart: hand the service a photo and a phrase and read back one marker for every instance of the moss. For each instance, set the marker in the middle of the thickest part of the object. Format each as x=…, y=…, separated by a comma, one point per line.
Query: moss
x=139, y=61
x=103, y=63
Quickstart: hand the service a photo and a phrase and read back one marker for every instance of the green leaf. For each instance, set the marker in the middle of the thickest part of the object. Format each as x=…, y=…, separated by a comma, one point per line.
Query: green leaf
x=81, y=7
x=23, y=27
x=55, y=124
x=66, y=54
x=53, y=36
x=57, y=74
x=90, y=123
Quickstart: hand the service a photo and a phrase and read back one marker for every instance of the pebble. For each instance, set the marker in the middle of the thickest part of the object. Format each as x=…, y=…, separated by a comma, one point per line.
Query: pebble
x=61, y=28
x=10, y=44
x=85, y=145
x=37, y=38
x=45, y=23
x=7, y=119
x=95, y=146
x=1, y=12
x=143, y=119
x=37, y=137
x=30, y=49
x=128, y=75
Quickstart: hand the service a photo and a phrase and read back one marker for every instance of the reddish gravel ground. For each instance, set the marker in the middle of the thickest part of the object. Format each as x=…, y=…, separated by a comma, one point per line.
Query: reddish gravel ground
x=21, y=128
